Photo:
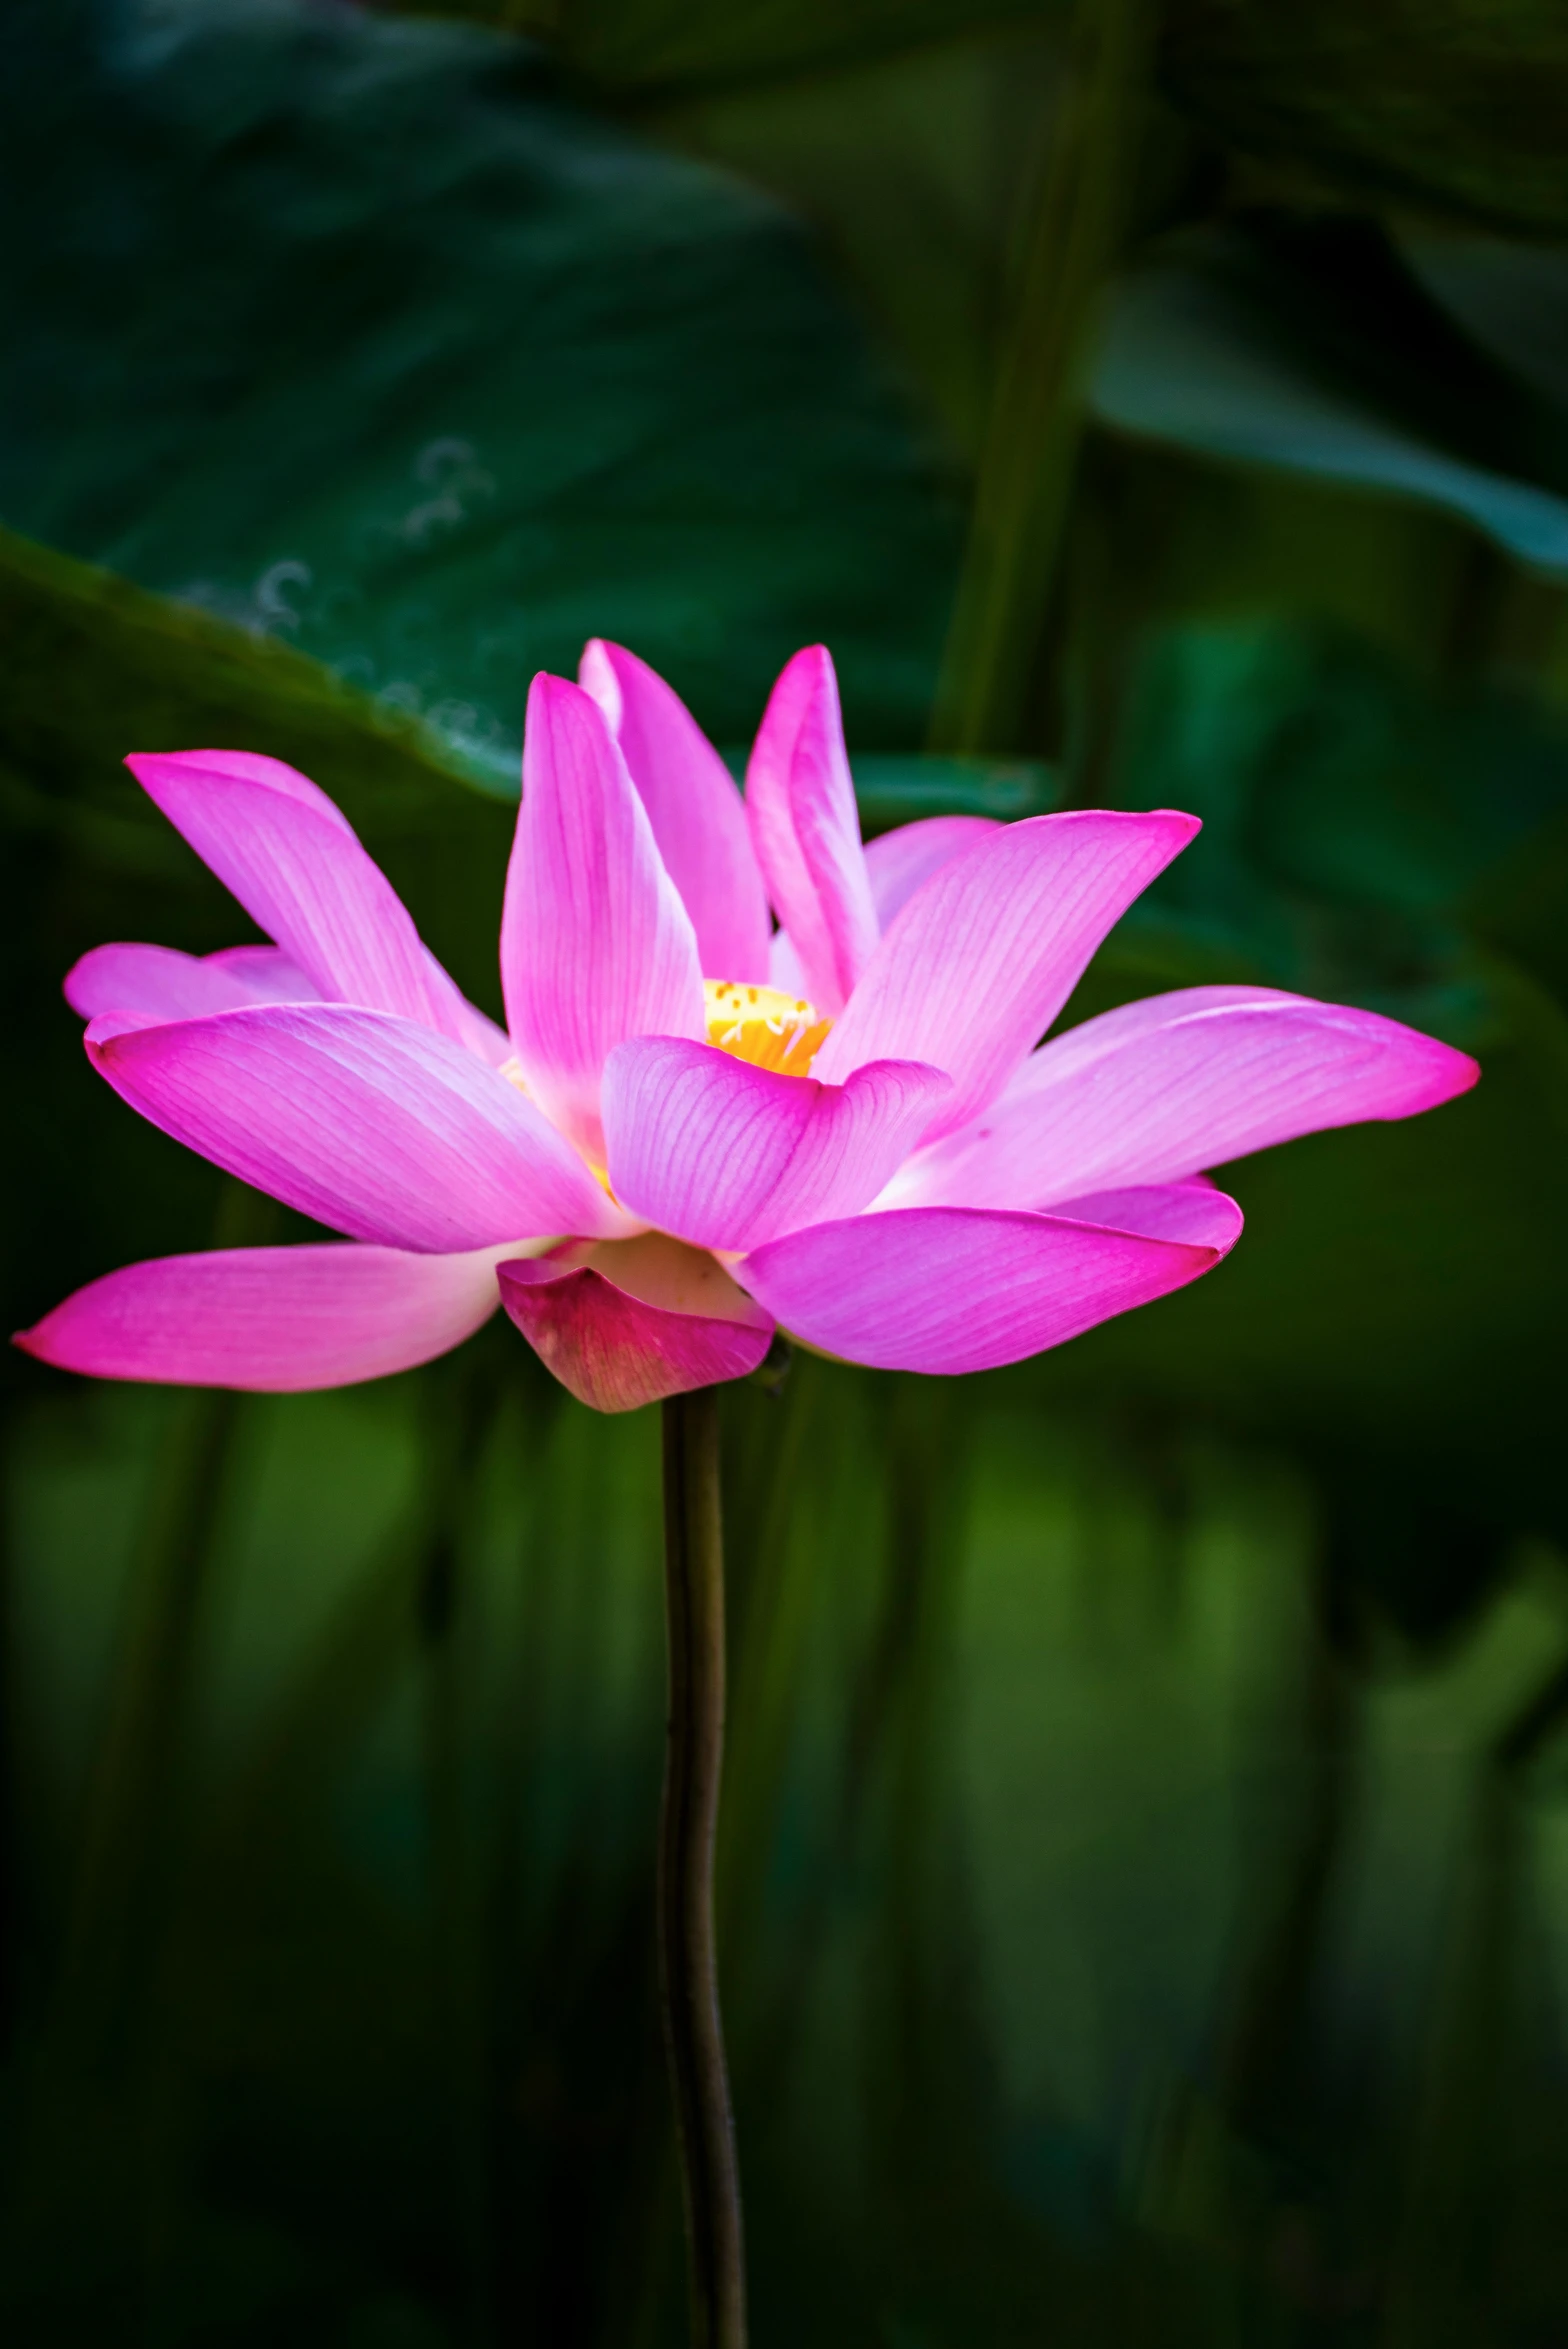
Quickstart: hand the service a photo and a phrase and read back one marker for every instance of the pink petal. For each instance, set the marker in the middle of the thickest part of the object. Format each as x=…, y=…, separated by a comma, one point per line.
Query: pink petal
x=595, y=943
x=290, y=858
x=947, y=1289
x=806, y=829
x=697, y=814
x=268, y=972
x=276, y=1320
x=1162, y=1089
x=631, y=1322
x=375, y=1126
x=785, y=969
x=1195, y=1212
x=159, y=981
x=727, y=1155
x=982, y=958
x=902, y=861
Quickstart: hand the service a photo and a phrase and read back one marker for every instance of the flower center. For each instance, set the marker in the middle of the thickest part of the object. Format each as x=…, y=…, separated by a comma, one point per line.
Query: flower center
x=763, y=1025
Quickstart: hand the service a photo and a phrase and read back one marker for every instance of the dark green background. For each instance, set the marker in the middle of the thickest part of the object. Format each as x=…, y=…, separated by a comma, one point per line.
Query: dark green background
x=1144, y=1883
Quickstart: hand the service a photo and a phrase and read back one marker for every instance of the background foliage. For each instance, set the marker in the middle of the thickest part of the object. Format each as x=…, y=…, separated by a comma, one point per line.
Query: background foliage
x=1145, y=1879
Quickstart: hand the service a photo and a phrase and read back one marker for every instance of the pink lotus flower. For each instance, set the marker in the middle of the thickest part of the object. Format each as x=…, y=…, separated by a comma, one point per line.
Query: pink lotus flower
x=693, y=1130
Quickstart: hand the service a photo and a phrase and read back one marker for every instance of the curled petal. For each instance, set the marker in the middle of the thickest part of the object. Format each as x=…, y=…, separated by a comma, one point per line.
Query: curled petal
x=697, y=814
x=902, y=861
x=274, y=1320
x=281, y=847
x=728, y=1155
x=596, y=945
x=983, y=957
x=949, y=1289
x=1163, y=1089
x=800, y=799
x=374, y=1126
x=628, y=1323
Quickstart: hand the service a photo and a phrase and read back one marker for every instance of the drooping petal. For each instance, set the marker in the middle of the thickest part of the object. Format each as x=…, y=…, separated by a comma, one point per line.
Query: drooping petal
x=697, y=814
x=1198, y=1077
x=727, y=1155
x=375, y=1126
x=631, y=1322
x=949, y=1289
x=983, y=957
x=1195, y=1212
x=273, y=1320
x=281, y=848
x=805, y=825
x=901, y=861
x=596, y=945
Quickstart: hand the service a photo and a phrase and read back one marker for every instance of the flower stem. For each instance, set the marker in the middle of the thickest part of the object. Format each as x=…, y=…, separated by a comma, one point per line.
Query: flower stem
x=693, y=2031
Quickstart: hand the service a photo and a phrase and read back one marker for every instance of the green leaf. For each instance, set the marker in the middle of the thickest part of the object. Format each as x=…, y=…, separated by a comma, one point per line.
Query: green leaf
x=355, y=331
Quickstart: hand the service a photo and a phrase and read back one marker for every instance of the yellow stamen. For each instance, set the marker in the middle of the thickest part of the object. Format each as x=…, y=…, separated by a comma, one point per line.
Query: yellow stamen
x=763, y=1025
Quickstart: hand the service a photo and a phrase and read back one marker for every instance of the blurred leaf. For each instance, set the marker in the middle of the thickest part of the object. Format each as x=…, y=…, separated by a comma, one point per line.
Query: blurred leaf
x=355, y=331
x=1313, y=354
x=1351, y=812
x=1459, y=107
x=912, y=166
x=660, y=46
x=1510, y=298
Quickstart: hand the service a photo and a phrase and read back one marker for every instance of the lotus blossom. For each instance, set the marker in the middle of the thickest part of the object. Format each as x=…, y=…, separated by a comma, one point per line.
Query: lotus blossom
x=696, y=1127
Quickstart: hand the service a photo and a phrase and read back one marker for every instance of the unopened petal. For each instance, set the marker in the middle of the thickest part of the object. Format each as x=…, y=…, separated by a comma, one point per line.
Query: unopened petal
x=948, y=1289
x=375, y=1126
x=629, y=1323
x=697, y=813
x=274, y=1320
x=985, y=954
x=596, y=945
x=728, y=1155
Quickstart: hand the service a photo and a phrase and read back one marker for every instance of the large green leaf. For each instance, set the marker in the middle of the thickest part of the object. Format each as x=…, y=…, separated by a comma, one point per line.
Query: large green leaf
x=355, y=331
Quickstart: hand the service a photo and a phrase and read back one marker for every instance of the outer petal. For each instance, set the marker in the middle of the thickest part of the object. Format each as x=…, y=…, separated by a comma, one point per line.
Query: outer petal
x=1190, y=1080
x=983, y=957
x=632, y=1322
x=902, y=861
x=276, y=1320
x=806, y=828
x=698, y=816
x=947, y=1289
x=595, y=943
x=373, y=1125
x=290, y=858
x=727, y=1155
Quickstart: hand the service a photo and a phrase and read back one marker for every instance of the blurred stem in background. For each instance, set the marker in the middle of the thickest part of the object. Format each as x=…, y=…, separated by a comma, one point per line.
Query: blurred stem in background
x=688, y=1974
x=1072, y=224
x=114, y=1925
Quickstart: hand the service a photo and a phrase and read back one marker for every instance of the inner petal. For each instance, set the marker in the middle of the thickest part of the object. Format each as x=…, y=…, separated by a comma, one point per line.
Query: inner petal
x=763, y=1025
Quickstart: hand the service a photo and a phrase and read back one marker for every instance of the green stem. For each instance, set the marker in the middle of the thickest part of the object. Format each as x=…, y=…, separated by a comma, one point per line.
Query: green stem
x=688, y=1974
x=1069, y=242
